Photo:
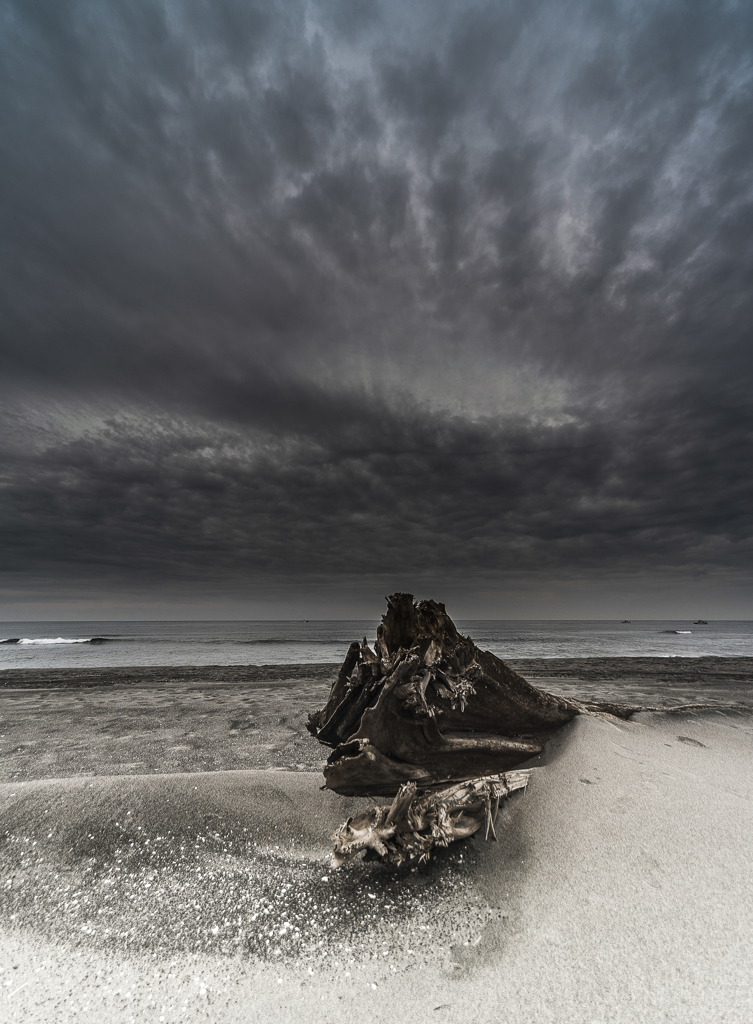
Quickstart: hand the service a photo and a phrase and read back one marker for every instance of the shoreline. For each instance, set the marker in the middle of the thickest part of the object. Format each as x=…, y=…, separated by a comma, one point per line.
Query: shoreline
x=733, y=669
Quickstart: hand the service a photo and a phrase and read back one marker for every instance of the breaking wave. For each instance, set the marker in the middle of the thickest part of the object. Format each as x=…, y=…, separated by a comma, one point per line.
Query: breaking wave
x=58, y=640
x=677, y=631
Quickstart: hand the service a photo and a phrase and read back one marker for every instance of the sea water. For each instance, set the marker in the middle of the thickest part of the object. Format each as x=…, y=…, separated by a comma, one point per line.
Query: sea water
x=92, y=644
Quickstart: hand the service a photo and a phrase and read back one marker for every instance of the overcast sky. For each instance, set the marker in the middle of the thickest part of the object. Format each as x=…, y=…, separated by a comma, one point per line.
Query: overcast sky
x=304, y=303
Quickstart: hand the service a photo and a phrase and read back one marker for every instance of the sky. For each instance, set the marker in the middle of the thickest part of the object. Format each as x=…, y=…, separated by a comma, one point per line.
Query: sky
x=304, y=303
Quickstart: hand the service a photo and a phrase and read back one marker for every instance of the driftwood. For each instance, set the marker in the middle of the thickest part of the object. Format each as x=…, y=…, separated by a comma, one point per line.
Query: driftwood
x=427, y=706
x=409, y=828
x=429, y=719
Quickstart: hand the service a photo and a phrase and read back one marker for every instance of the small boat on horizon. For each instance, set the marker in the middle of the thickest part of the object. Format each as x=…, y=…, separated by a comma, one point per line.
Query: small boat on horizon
x=700, y=622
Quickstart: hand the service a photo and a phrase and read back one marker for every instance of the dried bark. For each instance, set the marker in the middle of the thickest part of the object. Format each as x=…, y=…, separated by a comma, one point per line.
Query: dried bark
x=409, y=828
x=427, y=706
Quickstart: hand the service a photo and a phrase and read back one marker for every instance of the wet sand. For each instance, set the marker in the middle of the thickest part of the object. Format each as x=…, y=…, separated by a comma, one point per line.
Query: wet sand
x=57, y=723
x=149, y=725
x=619, y=890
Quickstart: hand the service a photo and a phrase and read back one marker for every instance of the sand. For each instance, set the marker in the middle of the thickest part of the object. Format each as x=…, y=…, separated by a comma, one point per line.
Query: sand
x=56, y=723
x=620, y=888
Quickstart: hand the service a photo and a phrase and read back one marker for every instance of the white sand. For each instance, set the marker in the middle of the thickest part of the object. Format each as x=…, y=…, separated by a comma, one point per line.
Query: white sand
x=623, y=898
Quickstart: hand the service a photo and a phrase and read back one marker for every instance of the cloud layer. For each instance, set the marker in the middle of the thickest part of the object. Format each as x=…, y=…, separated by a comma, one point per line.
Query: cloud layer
x=442, y=294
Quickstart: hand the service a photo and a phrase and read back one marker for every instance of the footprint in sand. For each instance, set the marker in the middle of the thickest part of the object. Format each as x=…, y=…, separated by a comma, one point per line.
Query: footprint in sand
x=692, y=742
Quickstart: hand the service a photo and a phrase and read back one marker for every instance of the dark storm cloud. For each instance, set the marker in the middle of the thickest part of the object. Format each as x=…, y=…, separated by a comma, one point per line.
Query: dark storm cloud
x=372, y=288
x=432, y=496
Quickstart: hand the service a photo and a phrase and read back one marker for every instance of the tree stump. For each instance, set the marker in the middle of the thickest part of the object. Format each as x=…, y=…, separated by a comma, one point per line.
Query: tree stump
x=427, y=706
x=429, y=719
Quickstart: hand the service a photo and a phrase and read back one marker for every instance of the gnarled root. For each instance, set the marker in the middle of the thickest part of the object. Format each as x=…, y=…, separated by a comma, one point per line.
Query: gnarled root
x=415, y=822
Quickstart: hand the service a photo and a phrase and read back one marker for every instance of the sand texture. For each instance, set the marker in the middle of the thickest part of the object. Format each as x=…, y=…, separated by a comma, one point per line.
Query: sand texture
x=620, y=888
x=56, y=723
x=146, y=726
x=662, y=681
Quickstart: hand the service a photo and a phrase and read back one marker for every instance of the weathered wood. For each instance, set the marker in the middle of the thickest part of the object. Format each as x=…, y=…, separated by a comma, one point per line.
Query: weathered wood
x=426, y=708
x=417, y=822
x=428, y=704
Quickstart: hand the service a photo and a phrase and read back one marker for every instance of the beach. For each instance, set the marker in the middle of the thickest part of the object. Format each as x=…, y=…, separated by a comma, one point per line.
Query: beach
x=165, y=857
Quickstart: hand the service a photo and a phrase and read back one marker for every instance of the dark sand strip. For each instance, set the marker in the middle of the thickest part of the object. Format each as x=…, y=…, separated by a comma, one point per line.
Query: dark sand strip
x=695, y=673
x=166, y=675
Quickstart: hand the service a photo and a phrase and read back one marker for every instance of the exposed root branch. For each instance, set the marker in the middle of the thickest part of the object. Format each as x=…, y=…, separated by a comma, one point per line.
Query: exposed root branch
x=415, y=822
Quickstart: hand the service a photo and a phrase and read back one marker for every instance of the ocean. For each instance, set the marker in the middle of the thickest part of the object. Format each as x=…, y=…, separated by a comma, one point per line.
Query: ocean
x=109, y=644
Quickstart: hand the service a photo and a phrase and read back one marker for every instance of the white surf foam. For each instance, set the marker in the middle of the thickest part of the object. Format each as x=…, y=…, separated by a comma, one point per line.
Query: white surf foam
x=56, y=640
